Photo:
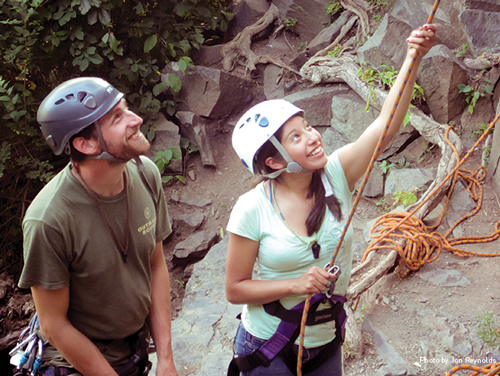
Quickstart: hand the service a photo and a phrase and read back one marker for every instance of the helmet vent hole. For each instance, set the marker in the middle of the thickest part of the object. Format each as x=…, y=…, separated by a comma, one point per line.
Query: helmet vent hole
x=70, y=97
x=60, y=101
x=81, y=96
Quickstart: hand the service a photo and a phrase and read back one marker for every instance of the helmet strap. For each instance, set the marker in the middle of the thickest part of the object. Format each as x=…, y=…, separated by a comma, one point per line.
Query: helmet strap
x=292, y=167
x=105, y=154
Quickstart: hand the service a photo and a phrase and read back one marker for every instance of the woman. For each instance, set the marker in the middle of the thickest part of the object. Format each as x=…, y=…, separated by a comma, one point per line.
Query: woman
x=290, y=225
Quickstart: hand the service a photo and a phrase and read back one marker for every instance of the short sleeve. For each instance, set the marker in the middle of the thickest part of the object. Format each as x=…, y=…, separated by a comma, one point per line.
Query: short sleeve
x=46, y=262
x=245, y=219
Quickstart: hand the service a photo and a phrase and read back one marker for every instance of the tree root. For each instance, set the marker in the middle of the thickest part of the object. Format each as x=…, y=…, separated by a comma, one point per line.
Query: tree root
x=358, y=8
x=327, y=70
x=240, y=47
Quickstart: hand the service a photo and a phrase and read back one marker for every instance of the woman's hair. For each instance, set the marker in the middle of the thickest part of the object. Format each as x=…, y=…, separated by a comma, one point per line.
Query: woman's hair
x=316, y=188
x=86, y=133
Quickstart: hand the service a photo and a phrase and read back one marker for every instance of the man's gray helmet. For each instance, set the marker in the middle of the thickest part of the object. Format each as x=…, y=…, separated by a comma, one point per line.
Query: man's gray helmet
x=73, y=106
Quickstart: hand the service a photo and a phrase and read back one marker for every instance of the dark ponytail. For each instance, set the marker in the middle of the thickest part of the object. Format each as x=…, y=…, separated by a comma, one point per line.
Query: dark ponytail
x=317, y=214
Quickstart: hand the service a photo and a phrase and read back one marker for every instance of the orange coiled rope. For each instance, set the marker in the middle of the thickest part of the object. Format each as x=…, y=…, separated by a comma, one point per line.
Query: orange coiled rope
x=423, y=246
x=358, y=197
x=489, y=370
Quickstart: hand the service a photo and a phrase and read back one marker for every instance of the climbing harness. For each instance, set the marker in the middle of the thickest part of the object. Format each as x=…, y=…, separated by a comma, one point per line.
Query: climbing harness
x=281, y=343
x=26, y=356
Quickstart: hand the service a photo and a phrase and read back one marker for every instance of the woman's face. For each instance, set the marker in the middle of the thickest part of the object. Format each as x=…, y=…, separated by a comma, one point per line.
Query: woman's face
x=303, y=143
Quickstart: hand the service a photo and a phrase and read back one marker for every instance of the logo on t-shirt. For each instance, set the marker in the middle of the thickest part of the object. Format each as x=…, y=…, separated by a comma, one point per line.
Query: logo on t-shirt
x=147, y=213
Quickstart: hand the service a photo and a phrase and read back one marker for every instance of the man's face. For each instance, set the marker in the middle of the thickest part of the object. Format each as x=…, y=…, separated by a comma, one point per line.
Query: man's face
x=121, y=129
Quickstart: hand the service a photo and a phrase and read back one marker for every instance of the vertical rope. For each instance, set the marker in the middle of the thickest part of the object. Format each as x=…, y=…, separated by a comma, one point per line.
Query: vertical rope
x=358, y=197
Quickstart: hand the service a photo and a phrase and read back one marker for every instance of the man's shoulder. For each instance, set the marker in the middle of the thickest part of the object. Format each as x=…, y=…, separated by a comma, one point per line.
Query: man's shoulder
x=51, y=197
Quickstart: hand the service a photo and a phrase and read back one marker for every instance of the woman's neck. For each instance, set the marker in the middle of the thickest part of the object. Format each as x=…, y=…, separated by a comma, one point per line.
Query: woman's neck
x=296, y=183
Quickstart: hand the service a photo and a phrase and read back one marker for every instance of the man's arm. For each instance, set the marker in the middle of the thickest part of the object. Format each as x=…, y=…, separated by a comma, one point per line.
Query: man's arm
x=159, y=313
x=78, y=350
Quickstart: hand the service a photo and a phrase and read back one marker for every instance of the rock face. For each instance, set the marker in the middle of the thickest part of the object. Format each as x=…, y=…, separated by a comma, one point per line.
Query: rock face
x=202, y=335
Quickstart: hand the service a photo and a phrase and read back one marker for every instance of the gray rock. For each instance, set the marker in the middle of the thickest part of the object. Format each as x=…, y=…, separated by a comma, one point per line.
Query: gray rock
x=323, y=39
x=317, y=102
x=197, y=130
x=375, y=185
x=408, y=180
x=190, y=222
x=246, y=13
x=439, y=76
x=202, y=335
x=482, y=29
x=210, y=92
x=381, y=48
x=166, y=136
x=395, y=365
x=273, y=83
x=445, y=278
x=194, y=247
x=416, y=13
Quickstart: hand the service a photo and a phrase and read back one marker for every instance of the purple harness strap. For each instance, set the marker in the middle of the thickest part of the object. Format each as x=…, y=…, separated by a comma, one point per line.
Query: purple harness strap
x=286, y=329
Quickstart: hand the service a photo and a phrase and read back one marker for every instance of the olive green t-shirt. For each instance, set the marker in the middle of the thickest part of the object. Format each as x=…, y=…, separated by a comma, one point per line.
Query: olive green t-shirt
x=67, y=243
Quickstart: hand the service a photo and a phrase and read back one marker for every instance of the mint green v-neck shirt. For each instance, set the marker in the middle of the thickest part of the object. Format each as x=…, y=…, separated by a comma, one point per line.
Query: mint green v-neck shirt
x=282, y=255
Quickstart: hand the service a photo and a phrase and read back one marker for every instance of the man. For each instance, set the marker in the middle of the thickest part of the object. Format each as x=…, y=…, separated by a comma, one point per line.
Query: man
x=93, y=239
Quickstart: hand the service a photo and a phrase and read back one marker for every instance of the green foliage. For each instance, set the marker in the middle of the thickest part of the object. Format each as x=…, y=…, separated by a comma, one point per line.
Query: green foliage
x=289, y=22
x=482, y=128
x=383, y=207
x=489, y=329
x=478, y=87
x=462, y=51
x=378, y=4
x=405, y=198
x=333, y=8
x=384, y=166
x=384, y=77
x=336, y=51
x=43, y=43
x=402, y=163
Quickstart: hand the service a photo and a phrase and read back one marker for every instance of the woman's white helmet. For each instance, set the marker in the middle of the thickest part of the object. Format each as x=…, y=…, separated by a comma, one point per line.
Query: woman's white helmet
x=258, y=125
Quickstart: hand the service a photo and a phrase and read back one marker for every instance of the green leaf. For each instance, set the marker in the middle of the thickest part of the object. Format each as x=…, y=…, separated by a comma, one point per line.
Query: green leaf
x=160, y=88
x=182, y=179
x=406, y=119
x=175, y=82
x=104, y=17
x=161, y=165
x=166, y=179
x=84, y=6
x=182, y=65
x=150, y=43
x=176, y=153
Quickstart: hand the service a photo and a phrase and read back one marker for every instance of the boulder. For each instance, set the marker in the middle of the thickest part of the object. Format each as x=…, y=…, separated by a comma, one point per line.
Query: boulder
x=439, y=74
x=482, y=29
x=210, y=92
x=196, y=129
x=194, y=248
x=317, y=102
x=166, y=136
x=416, y=13
x=408, y=180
